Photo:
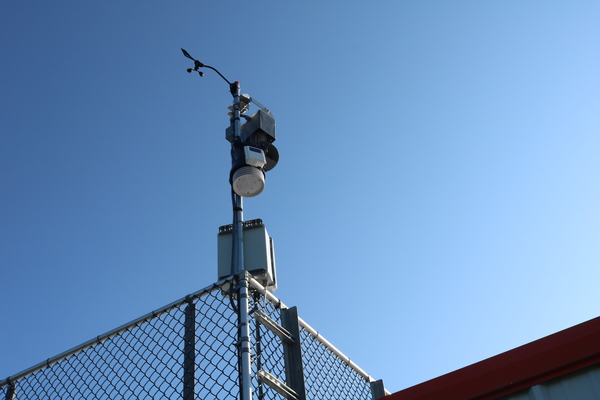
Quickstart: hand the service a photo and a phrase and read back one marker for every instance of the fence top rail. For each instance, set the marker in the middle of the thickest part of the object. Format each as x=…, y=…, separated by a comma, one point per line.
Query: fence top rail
x=99, y=339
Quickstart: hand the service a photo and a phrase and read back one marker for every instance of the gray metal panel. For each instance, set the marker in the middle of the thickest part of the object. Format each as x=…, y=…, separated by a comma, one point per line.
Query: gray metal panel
x=579, y=385
x=259, y=256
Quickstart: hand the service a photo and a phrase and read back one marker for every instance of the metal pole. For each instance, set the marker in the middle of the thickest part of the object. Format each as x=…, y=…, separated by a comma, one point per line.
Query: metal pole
x=244, y=363
x=245, y=366
x=257, y=339
x=11, y=392
x=238, y=207
x=189, y=352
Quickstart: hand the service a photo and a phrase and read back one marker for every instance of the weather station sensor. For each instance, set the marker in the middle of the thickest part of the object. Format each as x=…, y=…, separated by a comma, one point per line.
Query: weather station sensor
x=255, y=156
x=252, y=151
x=248, y=181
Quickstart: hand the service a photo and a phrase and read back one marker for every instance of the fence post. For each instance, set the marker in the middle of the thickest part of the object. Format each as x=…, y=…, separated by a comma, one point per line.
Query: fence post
x=10, y=393
x=294, y=369
x=245, y=365
x=189, y=352
x=377, y=389
x=258, y=343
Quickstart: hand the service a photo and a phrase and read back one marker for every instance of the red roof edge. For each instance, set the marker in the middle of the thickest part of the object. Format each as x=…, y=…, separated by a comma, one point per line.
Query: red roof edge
x=525, y=366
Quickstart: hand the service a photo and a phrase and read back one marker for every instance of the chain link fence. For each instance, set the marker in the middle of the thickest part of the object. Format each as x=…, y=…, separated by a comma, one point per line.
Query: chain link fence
x=189, y=350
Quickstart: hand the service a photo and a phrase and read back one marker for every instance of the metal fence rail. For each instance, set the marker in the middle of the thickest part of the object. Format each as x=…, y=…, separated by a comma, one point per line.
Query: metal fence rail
x=188, y=350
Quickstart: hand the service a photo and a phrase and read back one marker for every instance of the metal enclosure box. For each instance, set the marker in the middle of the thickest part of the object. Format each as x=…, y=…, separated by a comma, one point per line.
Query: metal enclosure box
x=259, y=255
x=260, y=130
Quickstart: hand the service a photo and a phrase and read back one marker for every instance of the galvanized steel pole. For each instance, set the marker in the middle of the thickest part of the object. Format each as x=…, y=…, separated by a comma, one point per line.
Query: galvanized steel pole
x=237, y=262
x=244, y=362
x=245, y=366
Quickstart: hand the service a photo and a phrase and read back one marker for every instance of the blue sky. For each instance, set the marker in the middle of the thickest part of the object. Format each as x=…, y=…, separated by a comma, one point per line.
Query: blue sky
x=436, y=200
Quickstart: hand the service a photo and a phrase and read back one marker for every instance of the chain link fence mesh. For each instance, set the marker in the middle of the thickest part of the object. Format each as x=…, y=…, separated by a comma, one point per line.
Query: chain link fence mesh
x=187, y=350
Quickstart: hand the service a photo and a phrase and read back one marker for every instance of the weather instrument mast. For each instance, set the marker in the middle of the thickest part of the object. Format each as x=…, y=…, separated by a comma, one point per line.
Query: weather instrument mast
x=252, y=154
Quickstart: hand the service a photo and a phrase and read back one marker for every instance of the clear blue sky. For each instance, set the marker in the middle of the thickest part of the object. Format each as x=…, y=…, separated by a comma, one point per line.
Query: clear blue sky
x=436, y=202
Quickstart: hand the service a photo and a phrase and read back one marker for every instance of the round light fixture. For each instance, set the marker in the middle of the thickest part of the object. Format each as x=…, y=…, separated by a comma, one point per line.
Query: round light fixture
x=248, y=181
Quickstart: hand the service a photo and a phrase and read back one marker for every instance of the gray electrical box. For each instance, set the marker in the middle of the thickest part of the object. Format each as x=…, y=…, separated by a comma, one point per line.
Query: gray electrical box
x=259, y=131
x=259, y=255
